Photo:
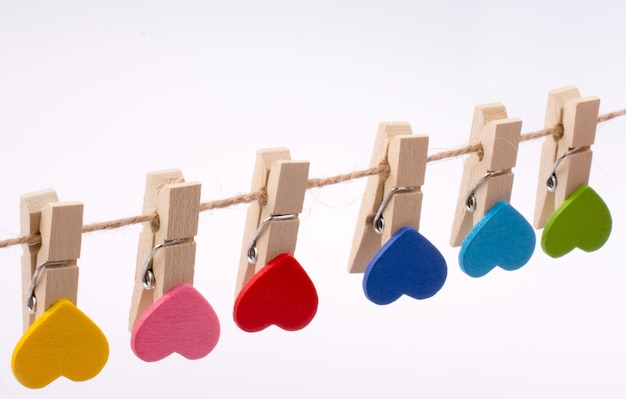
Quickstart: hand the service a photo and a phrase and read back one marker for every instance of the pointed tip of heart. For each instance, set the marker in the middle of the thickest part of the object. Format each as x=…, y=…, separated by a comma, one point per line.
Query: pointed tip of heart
x=280, y=294
x=582, y=221
x=503, y=237
x=181, y=321
x=407, y=264
x=63, y=341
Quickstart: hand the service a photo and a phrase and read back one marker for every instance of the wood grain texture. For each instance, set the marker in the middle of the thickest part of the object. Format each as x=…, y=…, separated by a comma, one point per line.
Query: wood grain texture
x=499, y=138
x=61, y=231
x=501, y=238
x=155, y=182
x=55, y=283
x=173, y=266
x=60, y=226
x=579, y=118
x=178, y=207
x=582, y=221
x=181, y=321
x=61, y=235
x=173, y=316
x=286, y=186
x=31, y=205
x=62, y=342
x=265, y=158
x=284, y=182
x=406, y=156
x=178, y=210
x=281, y=293
x=177, y=204
x=407, y=264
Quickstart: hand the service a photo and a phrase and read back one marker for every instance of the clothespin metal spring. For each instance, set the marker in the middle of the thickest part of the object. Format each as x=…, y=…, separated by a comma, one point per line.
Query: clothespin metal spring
x=378, y=223
x=252, y=250
x=551, y=180
x=31, y=299
x=470, y=198
x=148, y=280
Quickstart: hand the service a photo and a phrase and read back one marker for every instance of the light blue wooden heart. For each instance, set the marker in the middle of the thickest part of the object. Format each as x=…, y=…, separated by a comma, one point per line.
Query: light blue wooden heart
x=501, y=238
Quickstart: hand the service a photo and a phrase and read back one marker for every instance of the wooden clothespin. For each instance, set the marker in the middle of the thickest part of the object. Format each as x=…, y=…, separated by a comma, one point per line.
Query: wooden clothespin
x=484, y=218
x=272, y=287
x=59, y=339
x=572, y=213
x=167, y=314
x=407, y=263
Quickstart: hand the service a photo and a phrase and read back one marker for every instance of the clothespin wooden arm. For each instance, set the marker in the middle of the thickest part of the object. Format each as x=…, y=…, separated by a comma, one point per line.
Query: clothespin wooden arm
x=407, y=155
x=31, y=205
x=366, y=241
x=499, y=138
x=579, y=117
x=178, y=210
x=284, y=182
x=61, y=233
x=177, y=205
x=60, y=226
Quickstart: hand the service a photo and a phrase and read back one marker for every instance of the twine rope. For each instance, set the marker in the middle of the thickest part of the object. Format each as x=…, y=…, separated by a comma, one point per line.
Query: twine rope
x=382, y=169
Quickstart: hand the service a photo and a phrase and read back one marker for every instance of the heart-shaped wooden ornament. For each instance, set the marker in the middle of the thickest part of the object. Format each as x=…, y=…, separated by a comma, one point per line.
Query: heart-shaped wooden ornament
x=281, y=293
x=63, y=341
x=503, y=237
x=582, y=221
x=406, y=264
x=180, y=321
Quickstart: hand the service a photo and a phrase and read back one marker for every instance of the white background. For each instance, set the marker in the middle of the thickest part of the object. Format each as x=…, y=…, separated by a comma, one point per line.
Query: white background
x=95, y=94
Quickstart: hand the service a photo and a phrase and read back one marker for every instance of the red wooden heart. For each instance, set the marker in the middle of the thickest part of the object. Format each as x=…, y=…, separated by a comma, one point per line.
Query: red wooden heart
x=281, y=293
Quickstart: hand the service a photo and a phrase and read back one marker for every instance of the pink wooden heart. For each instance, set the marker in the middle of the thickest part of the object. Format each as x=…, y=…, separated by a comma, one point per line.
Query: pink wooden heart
x=281, y=293
x=180, y=321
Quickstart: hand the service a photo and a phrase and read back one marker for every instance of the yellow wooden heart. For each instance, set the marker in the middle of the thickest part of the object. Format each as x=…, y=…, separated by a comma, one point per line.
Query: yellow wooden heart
x=61, y=342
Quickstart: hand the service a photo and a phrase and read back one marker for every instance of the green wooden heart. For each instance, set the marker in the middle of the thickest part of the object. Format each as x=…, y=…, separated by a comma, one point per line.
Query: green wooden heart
x=583, y=221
